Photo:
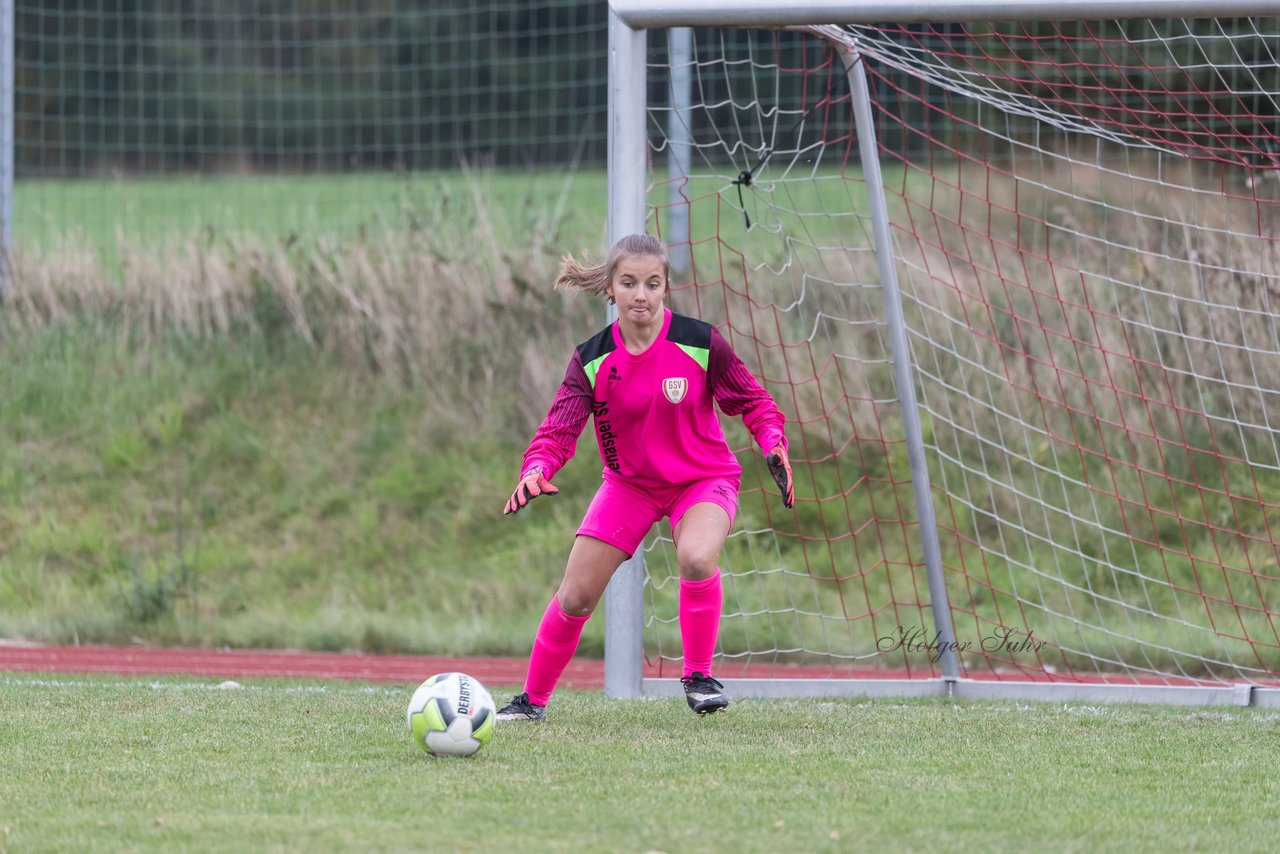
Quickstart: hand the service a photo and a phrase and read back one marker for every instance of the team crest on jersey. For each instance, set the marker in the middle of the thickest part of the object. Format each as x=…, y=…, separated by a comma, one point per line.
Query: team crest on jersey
x=675, y=388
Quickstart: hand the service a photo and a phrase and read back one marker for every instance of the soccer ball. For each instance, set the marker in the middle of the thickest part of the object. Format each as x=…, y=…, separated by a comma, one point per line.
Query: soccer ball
x=451, y=714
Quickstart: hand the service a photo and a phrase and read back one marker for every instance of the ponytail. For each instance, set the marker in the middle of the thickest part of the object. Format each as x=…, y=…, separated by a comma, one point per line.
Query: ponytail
x=595, y=278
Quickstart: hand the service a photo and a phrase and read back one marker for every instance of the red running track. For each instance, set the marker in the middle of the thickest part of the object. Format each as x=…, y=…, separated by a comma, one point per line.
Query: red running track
x=228, y=664
x=582, y=673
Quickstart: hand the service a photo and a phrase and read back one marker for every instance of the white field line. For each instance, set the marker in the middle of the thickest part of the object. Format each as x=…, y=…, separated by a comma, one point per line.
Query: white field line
x=124, y=683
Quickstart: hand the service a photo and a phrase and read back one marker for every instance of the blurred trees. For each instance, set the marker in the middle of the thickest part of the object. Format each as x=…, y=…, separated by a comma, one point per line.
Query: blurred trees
x=169, y=86
x=165, y=86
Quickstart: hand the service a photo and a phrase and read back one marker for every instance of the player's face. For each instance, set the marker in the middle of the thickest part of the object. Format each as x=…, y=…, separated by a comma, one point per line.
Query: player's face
x=638, y=287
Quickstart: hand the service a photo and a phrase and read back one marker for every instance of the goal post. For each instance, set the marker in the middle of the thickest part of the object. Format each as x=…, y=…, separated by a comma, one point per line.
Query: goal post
x=1011, y=269
x=627, y=166
x=6, y=142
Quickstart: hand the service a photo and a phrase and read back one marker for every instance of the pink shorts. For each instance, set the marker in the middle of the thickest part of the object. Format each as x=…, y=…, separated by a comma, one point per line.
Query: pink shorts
x=621, y=514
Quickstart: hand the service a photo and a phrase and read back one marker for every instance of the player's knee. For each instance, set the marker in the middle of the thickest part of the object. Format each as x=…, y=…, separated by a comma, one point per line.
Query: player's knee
x=696, y=567
x=574, y=603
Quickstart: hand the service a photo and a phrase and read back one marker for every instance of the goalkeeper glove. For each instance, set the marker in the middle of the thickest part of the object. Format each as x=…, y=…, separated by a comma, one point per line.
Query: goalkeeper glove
x=530, y=487
x=780, y=468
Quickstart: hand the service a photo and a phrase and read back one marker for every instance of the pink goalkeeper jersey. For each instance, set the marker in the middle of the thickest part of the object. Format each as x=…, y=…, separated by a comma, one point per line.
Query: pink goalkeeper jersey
x=655, y=421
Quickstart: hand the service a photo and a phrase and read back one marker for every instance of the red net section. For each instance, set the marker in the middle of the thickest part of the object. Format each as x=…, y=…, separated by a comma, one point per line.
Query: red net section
x=1082, y=231
x=1195, y=88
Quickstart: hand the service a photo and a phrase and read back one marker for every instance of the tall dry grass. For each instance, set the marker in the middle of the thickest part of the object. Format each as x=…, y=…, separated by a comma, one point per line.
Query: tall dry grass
x=1100, y=357
x=1144, y=301
x=1097, y=359
x=478, y=333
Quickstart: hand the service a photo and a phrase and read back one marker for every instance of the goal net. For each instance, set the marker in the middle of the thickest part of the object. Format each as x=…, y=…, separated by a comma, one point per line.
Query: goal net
x=1083, y=222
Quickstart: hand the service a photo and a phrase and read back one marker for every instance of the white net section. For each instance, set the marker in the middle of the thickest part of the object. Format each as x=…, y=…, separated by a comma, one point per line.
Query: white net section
x=1083, y=219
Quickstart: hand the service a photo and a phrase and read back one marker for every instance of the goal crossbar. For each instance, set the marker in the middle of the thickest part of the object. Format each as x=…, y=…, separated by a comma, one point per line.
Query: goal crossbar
x=648, y=14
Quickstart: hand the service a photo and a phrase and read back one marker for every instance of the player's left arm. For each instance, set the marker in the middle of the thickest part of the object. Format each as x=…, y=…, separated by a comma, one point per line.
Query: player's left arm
x=739, y=393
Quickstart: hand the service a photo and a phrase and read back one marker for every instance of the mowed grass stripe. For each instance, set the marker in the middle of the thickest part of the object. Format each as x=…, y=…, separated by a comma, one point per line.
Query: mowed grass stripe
x=112, y=764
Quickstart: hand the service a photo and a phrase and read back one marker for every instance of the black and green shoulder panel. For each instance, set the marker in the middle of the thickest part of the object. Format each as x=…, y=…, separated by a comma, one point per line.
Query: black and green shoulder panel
x=691, y=335
x=594, y=349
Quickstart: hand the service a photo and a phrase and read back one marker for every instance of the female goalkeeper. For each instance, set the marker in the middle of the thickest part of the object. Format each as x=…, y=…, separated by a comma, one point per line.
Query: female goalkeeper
x=649, y=379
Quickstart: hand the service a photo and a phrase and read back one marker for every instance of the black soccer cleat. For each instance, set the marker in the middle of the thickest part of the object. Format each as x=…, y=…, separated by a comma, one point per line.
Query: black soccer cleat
x=520, y=709
x=705, y=695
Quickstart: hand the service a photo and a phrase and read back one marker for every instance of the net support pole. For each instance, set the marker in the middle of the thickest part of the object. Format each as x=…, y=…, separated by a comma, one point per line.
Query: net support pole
x=7, y=106
x=628, y=173
x=679, y=146
x=902, y=366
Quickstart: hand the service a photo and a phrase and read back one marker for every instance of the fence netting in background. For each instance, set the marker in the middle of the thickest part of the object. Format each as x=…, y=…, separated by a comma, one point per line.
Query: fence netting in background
x=145, y=122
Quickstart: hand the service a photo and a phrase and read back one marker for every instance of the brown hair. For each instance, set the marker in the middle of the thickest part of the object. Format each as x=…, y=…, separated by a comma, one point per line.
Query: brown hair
x=595, y=278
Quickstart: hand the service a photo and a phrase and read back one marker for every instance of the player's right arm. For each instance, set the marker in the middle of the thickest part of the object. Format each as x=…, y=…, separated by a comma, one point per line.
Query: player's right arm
x=556, y=437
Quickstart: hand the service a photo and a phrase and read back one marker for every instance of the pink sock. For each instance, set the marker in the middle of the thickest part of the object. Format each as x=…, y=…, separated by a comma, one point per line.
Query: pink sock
x=700, y=603
x=554, y=645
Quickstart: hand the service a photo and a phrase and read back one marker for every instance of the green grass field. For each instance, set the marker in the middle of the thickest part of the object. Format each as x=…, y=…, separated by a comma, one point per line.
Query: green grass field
x=105, y=213
x=125, y=764
x=454, y=210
